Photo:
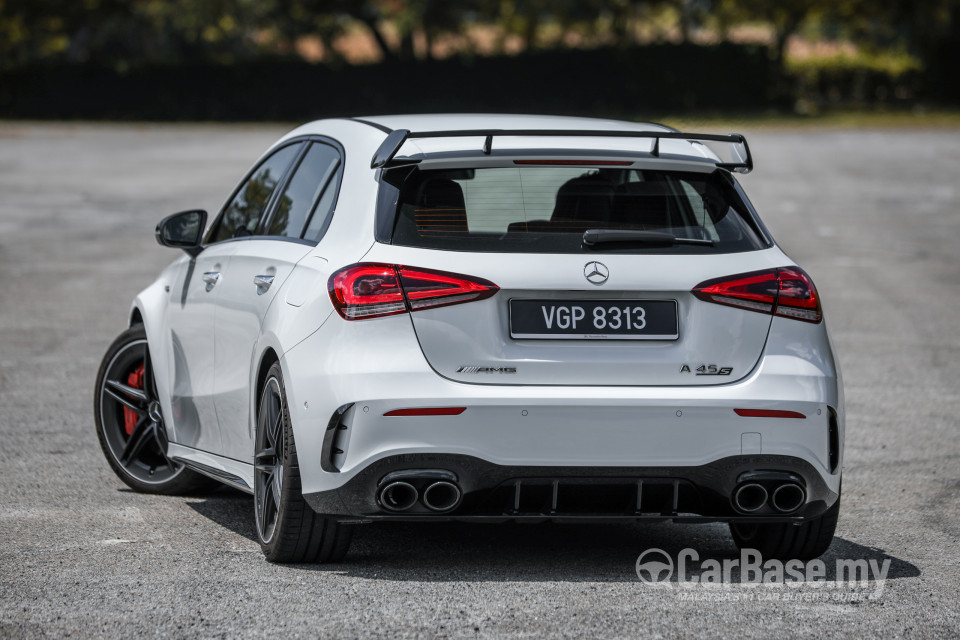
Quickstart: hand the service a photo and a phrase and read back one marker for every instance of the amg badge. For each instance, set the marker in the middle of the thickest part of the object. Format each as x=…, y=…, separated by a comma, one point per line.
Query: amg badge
x=466, y=369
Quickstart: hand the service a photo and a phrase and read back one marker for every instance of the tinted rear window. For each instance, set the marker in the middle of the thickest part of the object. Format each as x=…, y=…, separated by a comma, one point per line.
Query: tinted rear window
x=546, y=209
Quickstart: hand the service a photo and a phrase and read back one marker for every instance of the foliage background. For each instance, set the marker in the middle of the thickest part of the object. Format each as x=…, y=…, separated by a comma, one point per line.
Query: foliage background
x=299, y=59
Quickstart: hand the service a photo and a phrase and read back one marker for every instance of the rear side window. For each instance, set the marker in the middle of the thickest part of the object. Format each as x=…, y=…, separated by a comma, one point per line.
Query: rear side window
x=546, y=209
x=323, y=211
x=242, y=214
x=302, y=192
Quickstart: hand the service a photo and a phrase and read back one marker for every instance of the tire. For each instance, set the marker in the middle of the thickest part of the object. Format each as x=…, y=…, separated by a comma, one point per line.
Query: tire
x=287, y=528
x=129, y=421
x=785, y=541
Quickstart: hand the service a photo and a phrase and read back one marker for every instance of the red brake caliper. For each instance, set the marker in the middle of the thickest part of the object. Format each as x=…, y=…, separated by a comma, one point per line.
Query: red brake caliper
x=130, y=416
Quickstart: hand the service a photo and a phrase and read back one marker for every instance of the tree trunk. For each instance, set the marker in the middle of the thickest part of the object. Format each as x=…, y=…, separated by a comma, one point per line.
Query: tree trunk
x=330, y=55
x=780, y=47
x=427, y=43
x=378, y=37
x=407, y=50
x=789, y=25
x=530, y=31
x=685, y=19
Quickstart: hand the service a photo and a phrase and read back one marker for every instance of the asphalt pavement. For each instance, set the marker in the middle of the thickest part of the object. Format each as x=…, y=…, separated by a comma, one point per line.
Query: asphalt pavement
x=873, y=216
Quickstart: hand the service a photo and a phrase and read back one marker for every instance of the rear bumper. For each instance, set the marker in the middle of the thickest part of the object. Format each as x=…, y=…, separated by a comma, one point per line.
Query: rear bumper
x=343, y=379
x=498, y=493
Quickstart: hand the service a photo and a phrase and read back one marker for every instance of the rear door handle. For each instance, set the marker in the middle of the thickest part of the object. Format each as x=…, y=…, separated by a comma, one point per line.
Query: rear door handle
x=211, y=277
x=263, y=282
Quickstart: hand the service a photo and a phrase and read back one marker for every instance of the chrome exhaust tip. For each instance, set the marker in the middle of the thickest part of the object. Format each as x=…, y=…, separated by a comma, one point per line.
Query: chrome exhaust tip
x=441, y=496
x=750, y=497
x=398, y=496
x=788, y=497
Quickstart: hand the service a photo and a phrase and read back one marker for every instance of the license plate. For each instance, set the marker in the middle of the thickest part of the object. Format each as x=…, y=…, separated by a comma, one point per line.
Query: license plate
x=594, y=319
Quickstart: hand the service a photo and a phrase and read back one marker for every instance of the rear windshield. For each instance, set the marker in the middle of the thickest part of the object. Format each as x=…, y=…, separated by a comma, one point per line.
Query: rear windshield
x=546, y=209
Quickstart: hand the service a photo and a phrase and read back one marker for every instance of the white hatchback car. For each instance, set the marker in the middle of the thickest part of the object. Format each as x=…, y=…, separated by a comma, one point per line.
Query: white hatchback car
x=484, y=318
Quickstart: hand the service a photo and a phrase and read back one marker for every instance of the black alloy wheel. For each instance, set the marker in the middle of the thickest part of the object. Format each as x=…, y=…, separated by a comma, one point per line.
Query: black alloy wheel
x=288, y=529
x=268, y=460
x=130, y=422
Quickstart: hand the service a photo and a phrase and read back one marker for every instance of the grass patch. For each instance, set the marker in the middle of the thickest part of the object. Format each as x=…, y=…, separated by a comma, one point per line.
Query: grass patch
x=892, y=63
x=840, y=119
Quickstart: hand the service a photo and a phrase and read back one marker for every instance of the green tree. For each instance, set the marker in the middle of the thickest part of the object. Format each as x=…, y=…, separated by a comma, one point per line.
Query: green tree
x=121, y=32
x=785, y=17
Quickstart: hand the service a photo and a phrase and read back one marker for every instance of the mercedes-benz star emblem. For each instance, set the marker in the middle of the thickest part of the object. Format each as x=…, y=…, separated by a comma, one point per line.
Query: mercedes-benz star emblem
x=596, y=272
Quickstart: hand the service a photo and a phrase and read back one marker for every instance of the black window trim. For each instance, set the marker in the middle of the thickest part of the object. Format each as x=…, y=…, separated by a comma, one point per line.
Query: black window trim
x=306, y=141
x=267, y=219
x=233, y=194
x=336, y=173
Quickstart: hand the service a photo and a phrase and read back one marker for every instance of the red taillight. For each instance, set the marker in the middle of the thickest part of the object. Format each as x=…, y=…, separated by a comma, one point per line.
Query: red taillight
x=426, y=288
x=756, y=291
x=798, y=297
x=787, y=291
x=366, y=291
x=371, y=290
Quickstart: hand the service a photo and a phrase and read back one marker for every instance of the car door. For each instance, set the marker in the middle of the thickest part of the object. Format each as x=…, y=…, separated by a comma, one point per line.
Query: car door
x=190, y=314
x=256, y=273
x=194, y=302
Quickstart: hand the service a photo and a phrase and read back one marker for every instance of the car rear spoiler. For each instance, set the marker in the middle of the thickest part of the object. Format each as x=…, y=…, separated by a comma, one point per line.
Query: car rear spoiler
x=740, y=150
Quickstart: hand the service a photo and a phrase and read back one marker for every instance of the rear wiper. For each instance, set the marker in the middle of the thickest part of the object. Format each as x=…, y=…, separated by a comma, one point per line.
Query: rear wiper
x=592, y=237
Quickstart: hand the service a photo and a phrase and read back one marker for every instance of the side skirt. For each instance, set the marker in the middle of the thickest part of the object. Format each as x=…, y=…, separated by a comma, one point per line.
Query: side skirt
x=233, y=473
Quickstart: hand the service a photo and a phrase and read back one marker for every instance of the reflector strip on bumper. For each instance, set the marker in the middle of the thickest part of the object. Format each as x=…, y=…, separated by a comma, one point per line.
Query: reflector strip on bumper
x=768, y=413
x=427, y=411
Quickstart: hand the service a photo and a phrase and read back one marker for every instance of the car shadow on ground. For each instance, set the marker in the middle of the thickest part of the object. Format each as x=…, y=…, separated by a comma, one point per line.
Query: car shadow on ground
x=451, y=551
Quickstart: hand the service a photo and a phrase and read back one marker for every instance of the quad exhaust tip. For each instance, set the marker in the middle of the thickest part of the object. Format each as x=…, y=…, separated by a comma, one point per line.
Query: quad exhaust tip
x=750, y=497
x=441, y=496
x=398, y=496
x=788, y=497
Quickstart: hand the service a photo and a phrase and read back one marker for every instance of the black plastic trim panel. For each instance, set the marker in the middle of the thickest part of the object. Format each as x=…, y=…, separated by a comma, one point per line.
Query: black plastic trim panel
x=329, y=449
x=834, y=440
x=494, y=492
x=217, y=474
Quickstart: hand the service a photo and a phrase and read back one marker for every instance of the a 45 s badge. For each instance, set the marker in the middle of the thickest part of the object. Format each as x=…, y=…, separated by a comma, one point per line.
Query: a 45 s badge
x=708, y=370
